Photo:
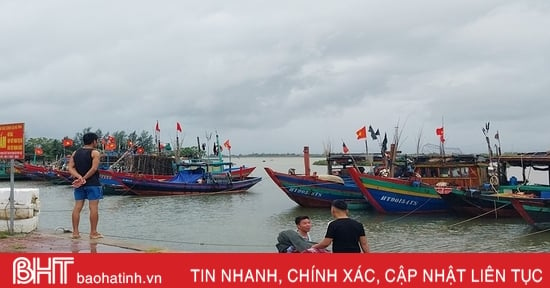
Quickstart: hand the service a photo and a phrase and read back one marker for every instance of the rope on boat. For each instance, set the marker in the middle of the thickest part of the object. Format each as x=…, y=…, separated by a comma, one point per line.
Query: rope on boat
x=481, y=215
x=535, y=233
x=191, y=243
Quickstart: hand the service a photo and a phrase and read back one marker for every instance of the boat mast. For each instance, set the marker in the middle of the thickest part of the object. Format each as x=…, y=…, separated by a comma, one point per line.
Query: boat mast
x=218, y=148
x=442, y=139
x=393, y=150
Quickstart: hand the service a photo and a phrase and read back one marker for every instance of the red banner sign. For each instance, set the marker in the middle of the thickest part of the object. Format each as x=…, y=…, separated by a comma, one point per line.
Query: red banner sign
x=12, y=144
x=275, y=270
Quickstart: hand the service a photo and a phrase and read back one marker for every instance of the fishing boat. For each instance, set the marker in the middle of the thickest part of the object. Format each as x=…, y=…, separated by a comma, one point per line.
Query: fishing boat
x=318, y=191
x=494, y=195
x=196, y=179
x=415, y=189
x=51, y=173
x=470, y=202
x=534, y=209
x=391, y=195
x=530, y=202
x=152, y=167
x=34, y=172
x=18, y=173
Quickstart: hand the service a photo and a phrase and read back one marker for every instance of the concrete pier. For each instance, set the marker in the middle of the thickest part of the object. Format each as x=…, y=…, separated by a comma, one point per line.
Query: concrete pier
x=27, y=209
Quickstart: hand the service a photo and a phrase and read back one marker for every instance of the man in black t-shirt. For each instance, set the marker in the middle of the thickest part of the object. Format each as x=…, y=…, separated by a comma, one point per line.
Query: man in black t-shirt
x=345, y=234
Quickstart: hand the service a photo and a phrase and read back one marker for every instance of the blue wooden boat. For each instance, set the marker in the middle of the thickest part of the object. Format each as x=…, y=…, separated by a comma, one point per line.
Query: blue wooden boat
x=196, y=181
x=415, y=189
x=390, y=195
x=155, y=167
x=318, y=191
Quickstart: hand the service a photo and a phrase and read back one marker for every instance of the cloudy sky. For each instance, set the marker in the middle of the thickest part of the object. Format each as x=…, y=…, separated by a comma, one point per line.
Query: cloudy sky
x=274, y=76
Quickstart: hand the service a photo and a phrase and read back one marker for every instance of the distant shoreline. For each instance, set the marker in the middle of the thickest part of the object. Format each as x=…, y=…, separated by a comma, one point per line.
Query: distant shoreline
x=276, y=155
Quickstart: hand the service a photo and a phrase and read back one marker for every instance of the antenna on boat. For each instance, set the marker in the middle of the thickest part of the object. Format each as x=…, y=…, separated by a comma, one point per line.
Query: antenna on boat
x=486, y=133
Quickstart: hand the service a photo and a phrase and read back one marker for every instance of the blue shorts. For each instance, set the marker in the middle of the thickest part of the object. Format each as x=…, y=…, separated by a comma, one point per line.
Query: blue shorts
x=88, y=192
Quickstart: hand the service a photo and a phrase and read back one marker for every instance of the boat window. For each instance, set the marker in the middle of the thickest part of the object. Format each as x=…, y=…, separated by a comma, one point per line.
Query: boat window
x=455, y=172
x=444, y=172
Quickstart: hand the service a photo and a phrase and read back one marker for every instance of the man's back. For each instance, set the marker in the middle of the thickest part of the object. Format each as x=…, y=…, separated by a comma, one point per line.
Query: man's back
x=345, y=233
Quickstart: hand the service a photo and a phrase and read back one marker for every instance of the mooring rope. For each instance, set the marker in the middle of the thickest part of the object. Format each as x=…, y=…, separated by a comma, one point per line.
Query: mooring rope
x=535, y=233
x=481, y=215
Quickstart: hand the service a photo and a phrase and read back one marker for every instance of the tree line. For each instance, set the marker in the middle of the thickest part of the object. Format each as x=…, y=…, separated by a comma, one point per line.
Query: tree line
x=53, y=149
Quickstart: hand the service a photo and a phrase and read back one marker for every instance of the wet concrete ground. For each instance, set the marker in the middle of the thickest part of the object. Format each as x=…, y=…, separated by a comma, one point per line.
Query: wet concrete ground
x=59, y=242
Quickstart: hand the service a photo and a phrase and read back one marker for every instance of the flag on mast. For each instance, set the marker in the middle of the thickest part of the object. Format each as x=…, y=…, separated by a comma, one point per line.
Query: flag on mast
x=67, y=142
x=441, y=133
x=38, y=150
x=178, y=127
x=374, y=135
x=227, y=145
x=361, y=133
x=345, y=148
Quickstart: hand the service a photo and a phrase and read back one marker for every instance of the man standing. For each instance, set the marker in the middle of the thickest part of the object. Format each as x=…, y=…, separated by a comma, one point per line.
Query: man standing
x=345, y=234
x=83, y=167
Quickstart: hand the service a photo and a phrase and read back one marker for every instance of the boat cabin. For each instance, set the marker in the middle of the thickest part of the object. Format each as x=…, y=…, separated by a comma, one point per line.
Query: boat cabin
x=467, y=170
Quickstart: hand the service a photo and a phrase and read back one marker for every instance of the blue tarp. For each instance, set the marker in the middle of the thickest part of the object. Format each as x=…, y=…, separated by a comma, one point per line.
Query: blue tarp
x=188, y=176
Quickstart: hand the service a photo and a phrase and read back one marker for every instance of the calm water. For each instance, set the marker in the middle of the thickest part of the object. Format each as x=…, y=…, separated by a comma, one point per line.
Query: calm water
x=249, y=222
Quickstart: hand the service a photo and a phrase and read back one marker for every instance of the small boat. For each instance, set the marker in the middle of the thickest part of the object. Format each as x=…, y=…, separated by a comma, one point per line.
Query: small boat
x=318, y=191
x=153, y=167
x=191, y=181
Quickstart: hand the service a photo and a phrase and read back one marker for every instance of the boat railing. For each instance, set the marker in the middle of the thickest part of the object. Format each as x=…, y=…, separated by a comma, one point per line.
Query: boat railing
x=219, y=178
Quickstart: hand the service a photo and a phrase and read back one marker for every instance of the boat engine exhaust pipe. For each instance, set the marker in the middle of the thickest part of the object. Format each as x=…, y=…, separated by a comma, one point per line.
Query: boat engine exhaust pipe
x=306, y=161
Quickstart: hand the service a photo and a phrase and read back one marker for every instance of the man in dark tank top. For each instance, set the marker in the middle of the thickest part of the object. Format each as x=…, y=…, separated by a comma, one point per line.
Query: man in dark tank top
x=83, y=166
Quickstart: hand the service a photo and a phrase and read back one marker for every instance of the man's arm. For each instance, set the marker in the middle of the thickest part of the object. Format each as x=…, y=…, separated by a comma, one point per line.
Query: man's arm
x=323, y=244
x=364, y=244
x=295, y=240
x=71, y=168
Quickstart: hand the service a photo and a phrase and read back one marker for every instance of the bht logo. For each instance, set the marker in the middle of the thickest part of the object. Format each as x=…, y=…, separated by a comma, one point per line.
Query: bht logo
x=30, y=271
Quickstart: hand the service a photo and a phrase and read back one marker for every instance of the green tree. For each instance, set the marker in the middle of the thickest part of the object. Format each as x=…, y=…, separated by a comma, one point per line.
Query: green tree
x=53, y=148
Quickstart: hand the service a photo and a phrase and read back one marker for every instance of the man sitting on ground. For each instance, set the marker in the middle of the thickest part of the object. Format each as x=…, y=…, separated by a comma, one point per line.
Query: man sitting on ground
x=293, y=241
